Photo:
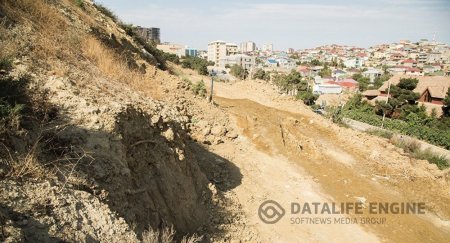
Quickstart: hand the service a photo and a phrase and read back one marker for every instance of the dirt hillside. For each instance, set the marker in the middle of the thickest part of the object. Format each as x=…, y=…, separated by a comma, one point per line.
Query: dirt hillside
x=113, y=146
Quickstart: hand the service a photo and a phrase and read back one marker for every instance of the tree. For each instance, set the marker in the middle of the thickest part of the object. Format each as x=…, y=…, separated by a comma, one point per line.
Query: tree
x=196, y=63
x=325, y=72
x=261, y=74
x=403, y=99
x=307, y=97
x=291, y=81
x=363, y=82
x=316, y=62
x=408, y=83
x=378, y=82
x=446, y=107
x=238, y=71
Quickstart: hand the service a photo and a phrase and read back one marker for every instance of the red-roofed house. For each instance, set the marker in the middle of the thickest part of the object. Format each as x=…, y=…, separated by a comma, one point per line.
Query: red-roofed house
x=409, y=63
x=305, y=71
x=397, y=56
x=346, y=84
x=414, y=72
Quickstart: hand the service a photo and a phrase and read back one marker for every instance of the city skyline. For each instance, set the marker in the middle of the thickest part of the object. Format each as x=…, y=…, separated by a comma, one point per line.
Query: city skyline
x=288, y=23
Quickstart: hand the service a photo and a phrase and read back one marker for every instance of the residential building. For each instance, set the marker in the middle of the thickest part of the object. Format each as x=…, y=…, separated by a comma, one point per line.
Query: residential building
x=191, y=52
x=409, y=63
x=245, y=61
x=217, y=50
x=338, y=73
x=248, y=46
x=232, y=49
x=176, y=49
x=434, y=57
x=267, y=47
x=372, y=74
x=345, y=84
x=354, y=62
x=149, y=34
x=414, y=72
x=327, y=88
x=202, y=54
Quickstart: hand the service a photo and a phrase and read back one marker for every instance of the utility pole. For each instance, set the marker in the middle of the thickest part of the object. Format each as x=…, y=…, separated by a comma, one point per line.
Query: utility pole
x=387, y=100
x=212, y=89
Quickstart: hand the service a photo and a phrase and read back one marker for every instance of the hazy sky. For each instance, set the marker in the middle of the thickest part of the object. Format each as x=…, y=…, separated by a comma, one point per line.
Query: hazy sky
x=289, y=23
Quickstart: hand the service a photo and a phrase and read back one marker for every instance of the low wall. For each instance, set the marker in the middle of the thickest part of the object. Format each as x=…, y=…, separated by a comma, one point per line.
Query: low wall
x=361, y=126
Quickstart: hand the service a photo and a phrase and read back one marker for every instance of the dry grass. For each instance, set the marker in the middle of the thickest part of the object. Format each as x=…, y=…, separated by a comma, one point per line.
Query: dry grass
x=52, y=42
x=109, y=63
x=166, y=235
x=408, y=145
x=115, y=67
x=413, y=148
x=27, y=166
x=39, y=31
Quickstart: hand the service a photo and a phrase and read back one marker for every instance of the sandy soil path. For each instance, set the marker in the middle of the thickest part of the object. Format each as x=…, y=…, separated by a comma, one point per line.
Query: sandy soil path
x=289, y=154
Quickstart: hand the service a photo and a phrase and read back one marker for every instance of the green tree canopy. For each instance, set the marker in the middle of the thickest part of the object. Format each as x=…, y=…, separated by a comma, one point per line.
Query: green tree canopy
x=403, y=100
x=195, y=63
x=446, y=107
x=238, y=71
x=261, y=74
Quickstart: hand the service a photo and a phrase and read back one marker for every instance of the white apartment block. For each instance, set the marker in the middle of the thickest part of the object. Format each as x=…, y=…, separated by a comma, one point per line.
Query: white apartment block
x=245, y=61
x=248, y=46
x=267, y=47
x=218, y=50
x=232, y=49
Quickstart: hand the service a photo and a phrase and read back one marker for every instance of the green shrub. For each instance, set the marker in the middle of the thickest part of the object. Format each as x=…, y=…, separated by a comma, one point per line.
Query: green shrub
x=5, y=64
x=196, y=63
x=440, y=160
x=199, y=88
x=106, y=11
x=307, y=97
x=434, y=135
x=13, y=98
x=151, y=48
x=171, y=57
x=80, y=3
x=238, y=71
x=261, y=74
x=408, y=145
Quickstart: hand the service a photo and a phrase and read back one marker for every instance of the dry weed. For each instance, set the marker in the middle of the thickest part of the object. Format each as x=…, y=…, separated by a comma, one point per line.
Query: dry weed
x=116, y=68
x=166, y=235
x=27, y=166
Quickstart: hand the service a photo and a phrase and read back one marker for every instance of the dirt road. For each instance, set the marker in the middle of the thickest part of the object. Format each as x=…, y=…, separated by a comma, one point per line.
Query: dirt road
x=289, y=154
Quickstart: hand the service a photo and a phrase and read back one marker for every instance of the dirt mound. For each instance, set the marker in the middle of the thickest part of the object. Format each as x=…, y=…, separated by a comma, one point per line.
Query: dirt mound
x=51, y=212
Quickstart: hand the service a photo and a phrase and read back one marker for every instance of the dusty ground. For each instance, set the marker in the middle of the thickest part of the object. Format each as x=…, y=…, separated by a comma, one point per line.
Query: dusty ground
x=287, y=153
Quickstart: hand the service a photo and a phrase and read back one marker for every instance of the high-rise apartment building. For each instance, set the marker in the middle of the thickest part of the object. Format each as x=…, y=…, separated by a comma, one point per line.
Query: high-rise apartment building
x=246, y=47
x=149, y=34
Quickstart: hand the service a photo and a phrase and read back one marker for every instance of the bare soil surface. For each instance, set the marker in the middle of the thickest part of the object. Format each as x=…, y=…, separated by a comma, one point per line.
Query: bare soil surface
x=287, y=153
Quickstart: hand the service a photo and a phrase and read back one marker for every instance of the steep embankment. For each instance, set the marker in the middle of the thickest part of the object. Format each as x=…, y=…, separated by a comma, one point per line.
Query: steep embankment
x=93, y=155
